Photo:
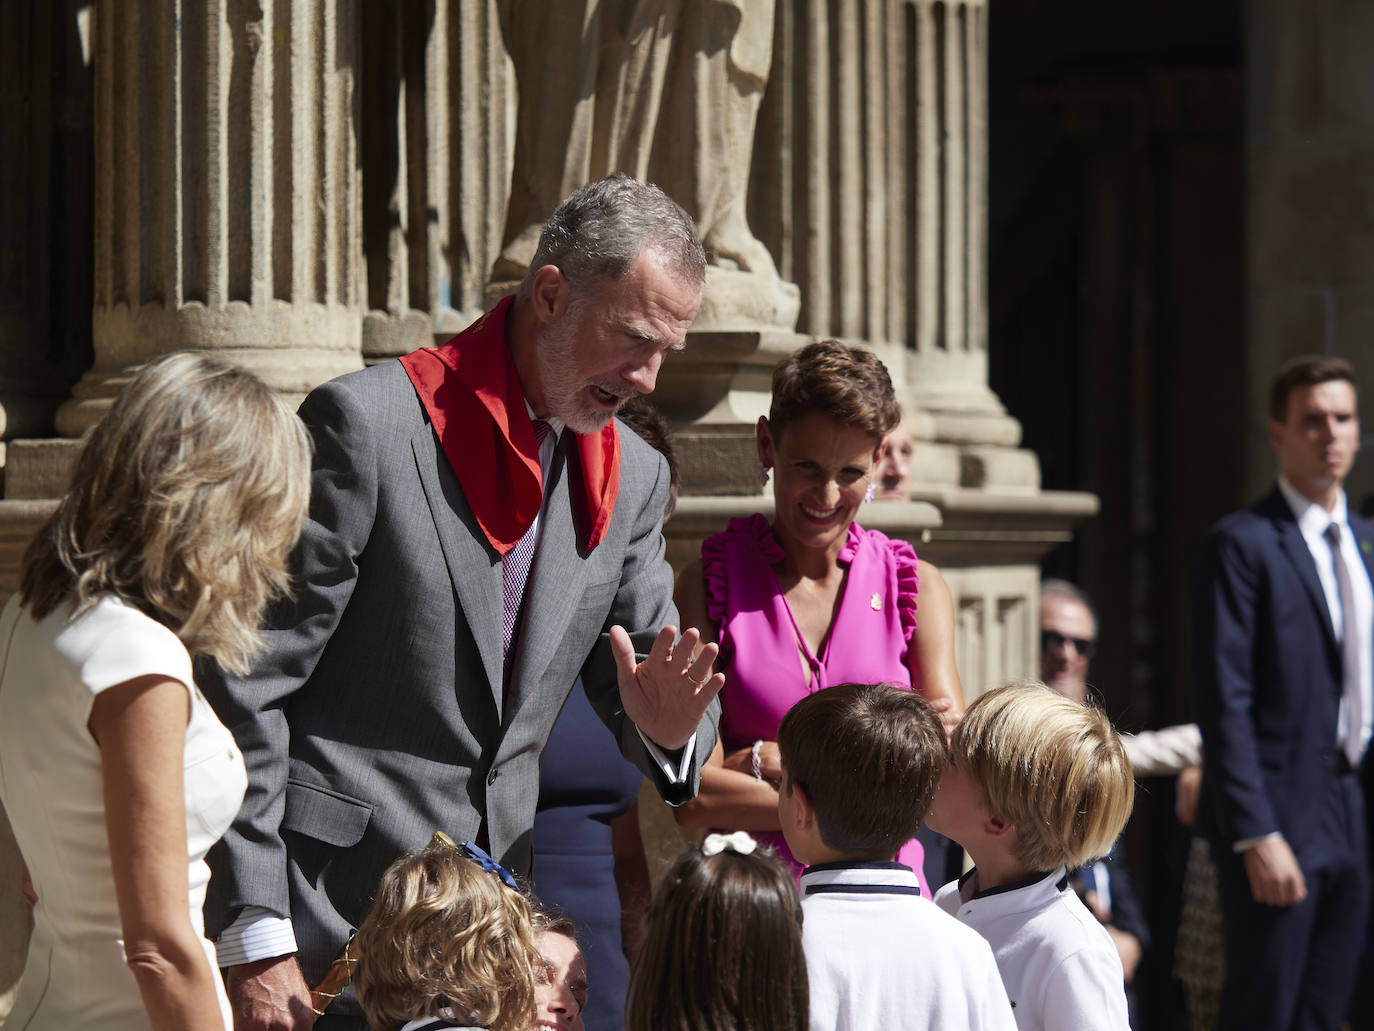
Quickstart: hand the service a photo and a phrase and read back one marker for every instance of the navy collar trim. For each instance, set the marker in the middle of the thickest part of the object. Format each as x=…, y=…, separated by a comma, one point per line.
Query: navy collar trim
x=863, y=889
x=843, y=864
x=1014, y=885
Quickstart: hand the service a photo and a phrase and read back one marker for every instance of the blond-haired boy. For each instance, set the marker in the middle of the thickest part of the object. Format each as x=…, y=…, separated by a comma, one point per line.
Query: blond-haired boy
x=1037, y=785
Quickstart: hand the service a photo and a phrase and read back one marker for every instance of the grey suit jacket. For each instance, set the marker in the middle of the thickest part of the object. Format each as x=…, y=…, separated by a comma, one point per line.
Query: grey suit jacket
x=377, y=715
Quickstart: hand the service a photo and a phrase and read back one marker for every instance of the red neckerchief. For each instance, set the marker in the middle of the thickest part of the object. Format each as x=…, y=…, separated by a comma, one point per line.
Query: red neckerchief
x=475, y=403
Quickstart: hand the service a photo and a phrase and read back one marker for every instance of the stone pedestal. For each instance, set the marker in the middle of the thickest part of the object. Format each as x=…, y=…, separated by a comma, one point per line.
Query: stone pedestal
x=226, y=191
x=988, y=545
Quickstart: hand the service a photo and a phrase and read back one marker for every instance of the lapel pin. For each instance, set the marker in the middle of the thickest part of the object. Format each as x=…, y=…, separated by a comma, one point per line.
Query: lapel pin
x=877, y=602
x=1366, y=547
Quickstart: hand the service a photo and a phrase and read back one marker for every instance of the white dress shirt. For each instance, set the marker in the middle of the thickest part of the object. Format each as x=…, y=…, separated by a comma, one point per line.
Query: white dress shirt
x=1313, y=521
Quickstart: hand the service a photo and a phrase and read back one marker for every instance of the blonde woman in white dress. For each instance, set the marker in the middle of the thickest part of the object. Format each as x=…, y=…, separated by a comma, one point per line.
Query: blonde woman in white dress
x=115, y=773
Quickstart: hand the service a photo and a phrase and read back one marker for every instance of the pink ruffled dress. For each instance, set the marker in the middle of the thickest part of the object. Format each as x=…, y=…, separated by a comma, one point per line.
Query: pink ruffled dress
x=759, y=640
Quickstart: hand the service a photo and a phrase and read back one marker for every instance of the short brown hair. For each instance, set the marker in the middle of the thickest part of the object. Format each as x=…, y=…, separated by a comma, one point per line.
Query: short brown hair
x=722, y=948
x=849, y=384
x=869, y=757
x=1306, y=370
x=1052, y=767
x=443, y=932
x=186, y=500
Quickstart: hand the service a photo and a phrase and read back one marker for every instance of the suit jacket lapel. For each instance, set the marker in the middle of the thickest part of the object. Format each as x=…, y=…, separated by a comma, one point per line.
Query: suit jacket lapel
x=1294, y=546
x=1364, y=540
x=473, y=565
x=557, y=580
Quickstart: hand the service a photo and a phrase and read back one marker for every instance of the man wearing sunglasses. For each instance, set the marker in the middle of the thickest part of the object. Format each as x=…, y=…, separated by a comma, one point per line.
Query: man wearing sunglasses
x=1068, y=637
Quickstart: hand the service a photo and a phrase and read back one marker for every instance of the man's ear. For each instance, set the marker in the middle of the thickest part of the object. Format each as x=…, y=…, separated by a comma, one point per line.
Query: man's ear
x=549, y=294
x=1275, y=433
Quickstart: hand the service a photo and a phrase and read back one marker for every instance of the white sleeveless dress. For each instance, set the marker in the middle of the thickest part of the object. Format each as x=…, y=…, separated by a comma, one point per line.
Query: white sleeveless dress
x=50, y=783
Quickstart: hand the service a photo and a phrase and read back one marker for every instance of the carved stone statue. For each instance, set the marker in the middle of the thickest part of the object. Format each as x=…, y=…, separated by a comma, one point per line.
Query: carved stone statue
x=665, y=90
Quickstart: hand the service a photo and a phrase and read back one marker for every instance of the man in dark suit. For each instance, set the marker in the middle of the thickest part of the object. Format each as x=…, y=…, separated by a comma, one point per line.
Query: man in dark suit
x=1285, y=617
x=480, y=536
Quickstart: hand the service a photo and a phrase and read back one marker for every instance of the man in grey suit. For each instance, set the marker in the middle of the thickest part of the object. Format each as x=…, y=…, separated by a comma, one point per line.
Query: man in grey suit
x=412, y=683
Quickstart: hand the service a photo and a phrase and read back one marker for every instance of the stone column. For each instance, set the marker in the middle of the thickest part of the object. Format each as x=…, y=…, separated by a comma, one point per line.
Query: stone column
x=226, y=203
x=1309, y=205
x=438, y=124
x=871, y=187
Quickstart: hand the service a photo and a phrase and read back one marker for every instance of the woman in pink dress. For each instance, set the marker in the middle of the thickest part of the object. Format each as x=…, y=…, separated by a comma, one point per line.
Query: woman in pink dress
x=812, y=599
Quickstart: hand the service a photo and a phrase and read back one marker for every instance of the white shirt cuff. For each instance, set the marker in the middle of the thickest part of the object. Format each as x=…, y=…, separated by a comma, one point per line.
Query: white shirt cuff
x=1246, y=844
x=255, y=934
x=675, y=771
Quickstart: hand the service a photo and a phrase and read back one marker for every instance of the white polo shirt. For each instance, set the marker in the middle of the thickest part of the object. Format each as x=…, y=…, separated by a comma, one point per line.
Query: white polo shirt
x=1059, y=965
x=879, y=955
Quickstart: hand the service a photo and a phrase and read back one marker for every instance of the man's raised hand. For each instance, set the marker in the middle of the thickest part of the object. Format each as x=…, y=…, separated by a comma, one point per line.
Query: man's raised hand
x=666, y=694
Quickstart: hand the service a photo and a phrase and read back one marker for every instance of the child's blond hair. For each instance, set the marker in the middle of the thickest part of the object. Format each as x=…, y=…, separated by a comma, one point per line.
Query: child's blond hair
x=1052, y=767
x=445, y=933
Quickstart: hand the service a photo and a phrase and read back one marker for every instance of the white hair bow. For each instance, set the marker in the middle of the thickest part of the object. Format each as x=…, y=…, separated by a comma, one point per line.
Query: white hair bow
x=739, y=842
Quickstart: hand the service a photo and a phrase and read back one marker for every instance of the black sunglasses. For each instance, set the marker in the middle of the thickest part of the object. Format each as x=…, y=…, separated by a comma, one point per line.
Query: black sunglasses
x=1053, y=640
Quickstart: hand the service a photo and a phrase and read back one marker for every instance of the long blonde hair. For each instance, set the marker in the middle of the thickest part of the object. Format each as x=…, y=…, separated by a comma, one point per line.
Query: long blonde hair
x=444, y=933
x=186, y=501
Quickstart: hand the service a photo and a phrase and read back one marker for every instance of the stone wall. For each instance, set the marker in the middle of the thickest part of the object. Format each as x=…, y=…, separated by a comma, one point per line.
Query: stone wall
x=1310, y=203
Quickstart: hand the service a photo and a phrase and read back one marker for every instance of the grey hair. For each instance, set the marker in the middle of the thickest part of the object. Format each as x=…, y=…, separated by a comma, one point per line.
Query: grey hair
x=600, y=230
x=1056, y=588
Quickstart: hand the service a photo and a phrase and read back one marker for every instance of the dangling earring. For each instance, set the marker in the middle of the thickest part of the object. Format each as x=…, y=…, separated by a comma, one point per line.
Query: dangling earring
x=871, y=492
x=763, y=474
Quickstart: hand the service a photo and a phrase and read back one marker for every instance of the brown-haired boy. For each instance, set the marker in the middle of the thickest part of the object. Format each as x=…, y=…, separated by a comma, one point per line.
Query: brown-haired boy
x=860, y=763
x=1037, y=785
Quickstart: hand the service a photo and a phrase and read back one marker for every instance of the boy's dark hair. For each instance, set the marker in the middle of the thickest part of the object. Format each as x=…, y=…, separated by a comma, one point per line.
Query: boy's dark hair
x=1306, y=370
x=869, y=757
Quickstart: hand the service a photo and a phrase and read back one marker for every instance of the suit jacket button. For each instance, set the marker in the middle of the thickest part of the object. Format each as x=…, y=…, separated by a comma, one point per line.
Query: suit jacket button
x=491, y=777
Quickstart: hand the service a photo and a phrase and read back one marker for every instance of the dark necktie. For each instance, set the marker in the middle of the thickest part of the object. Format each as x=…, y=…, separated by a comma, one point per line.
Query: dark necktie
x=515, y=568
x=1350, y=650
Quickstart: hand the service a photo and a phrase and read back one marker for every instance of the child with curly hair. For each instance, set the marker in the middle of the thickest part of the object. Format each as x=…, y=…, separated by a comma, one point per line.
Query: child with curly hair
x=449, y=943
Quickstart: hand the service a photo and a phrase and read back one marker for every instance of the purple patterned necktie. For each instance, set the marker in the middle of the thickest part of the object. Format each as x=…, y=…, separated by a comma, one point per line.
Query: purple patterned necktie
x=515, y=567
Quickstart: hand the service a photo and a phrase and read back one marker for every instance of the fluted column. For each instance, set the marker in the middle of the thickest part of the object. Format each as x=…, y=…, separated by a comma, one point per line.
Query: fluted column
x=947, y=55
x=226, y=205
x=871, y=189
x=438, y=121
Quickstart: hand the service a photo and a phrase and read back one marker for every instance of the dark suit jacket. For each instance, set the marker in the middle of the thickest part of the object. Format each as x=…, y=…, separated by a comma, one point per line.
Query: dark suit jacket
x=378, y=715
x=1268, y=678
